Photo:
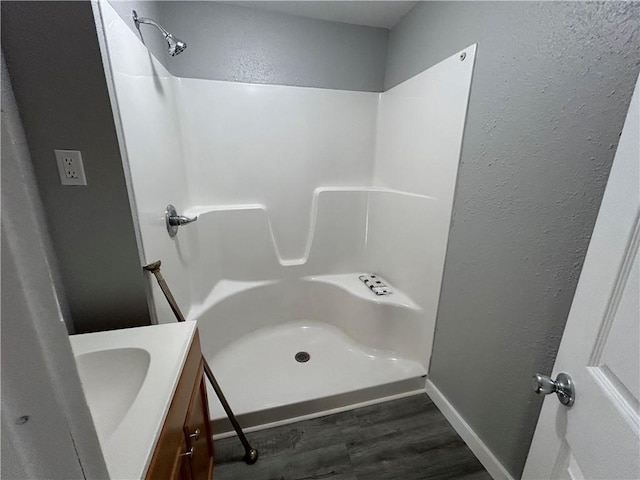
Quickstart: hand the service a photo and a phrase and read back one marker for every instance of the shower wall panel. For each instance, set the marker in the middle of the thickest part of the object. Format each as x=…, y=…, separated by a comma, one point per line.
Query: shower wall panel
x=419, y=138
x=145, y=97
x=293, y=186
x=273, y=145
x=208, y=145
x=238, y=251
x=420, y=127
x=298, y=191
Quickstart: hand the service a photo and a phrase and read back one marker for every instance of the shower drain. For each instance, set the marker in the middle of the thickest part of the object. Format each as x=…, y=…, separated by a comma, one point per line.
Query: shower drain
x=302, y=357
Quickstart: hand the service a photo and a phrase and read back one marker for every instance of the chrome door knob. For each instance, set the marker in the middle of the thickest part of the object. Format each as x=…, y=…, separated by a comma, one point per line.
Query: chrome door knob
x=562, y=386
x=543, y=385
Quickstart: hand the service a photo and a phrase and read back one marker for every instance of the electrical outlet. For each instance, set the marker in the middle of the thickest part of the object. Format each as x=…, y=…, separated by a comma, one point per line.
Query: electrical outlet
x=70, y=167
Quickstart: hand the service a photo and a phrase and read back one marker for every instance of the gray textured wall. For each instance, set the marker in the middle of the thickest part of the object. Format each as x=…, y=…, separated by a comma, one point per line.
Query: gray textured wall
x=551, y=88
x=39, y=374
x=52, y=54
x=232, y=43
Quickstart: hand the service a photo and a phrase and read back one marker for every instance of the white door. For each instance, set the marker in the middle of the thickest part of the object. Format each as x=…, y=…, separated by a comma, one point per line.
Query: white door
x=599, y=436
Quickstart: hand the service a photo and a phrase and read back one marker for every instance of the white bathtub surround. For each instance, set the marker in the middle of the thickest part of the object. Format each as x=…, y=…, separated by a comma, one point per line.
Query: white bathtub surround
x=420, y=128
x=298, y=191
x=273, y=145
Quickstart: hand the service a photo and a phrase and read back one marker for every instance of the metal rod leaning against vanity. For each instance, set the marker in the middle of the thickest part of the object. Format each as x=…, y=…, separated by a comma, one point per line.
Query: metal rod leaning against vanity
x=251, y=454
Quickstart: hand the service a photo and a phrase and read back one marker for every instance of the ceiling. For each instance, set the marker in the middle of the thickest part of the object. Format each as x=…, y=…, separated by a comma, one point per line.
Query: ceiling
x=383, y=14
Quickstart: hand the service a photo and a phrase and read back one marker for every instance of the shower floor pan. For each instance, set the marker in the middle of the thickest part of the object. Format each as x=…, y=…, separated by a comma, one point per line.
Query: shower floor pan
x=265, y=384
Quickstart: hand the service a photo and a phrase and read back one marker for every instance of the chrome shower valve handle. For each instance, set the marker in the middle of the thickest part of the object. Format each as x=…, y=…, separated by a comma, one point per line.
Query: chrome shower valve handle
x=173, y=220
x=179, y=220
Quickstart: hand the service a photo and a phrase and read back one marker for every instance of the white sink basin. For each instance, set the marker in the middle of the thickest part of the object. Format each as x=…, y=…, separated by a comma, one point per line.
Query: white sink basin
x=129, y=377
x=111, y=380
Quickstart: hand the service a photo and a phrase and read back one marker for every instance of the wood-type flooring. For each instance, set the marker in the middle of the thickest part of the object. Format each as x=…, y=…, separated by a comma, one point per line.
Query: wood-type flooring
x=404, y=439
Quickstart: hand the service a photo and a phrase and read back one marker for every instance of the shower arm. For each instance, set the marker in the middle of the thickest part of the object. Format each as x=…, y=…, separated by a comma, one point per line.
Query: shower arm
x=138, y=20
x=175, y=45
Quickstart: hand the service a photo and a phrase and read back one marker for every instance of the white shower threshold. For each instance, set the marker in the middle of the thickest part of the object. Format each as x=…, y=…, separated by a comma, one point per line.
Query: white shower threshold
x=266, y=386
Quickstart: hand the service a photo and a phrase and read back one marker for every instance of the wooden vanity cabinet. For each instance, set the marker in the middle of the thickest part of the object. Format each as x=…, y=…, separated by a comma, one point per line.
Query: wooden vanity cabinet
x=185, y=450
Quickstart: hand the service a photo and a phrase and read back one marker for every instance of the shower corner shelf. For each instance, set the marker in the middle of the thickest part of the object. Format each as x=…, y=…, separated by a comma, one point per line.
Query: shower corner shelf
x=352, y=283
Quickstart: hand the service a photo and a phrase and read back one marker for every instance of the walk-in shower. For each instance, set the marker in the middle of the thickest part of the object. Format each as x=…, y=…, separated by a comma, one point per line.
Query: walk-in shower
x=299, y=192
x=175, y=45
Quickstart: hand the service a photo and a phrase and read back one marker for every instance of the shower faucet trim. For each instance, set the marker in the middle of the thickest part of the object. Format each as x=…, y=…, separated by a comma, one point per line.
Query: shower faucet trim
x=173, y=220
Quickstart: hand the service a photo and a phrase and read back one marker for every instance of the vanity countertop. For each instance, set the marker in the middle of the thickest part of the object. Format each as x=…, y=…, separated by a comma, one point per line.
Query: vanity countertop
x=129, y=377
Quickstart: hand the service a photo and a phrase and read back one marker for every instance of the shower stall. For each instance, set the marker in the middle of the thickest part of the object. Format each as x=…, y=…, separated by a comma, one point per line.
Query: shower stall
x=298, y=192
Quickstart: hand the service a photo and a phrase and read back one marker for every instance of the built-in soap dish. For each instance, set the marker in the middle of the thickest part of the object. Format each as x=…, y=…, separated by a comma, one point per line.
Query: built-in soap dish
x=376, y=284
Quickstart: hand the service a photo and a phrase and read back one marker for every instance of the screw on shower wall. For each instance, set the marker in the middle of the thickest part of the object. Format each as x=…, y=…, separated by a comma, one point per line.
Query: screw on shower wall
x=463, y=55
x=22, y=420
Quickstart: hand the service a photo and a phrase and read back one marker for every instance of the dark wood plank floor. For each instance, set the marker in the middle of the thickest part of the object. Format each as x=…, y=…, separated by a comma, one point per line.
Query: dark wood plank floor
x=405, y=439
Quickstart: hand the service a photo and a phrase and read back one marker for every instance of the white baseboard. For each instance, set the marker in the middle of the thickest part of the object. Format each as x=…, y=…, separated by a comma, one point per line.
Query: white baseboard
x=473, y=441
x=318, y=414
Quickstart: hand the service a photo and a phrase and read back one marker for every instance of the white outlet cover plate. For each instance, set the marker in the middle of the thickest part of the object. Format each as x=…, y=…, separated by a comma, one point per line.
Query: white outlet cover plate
x=70, y=167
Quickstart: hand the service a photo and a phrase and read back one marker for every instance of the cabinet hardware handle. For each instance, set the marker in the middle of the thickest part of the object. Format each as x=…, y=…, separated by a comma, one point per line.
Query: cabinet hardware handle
x=187, y=454
x=195, y=435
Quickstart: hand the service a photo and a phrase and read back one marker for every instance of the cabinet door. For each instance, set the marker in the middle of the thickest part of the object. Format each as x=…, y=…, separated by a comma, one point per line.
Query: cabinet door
x=197, y=430
x=166, y=462
x=181, y=467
